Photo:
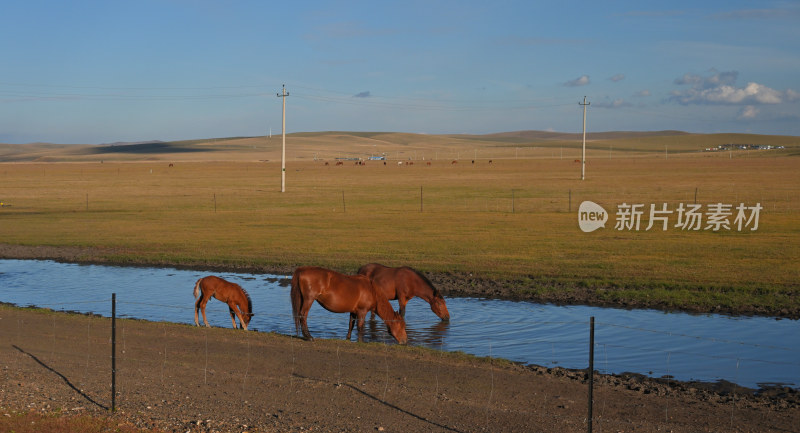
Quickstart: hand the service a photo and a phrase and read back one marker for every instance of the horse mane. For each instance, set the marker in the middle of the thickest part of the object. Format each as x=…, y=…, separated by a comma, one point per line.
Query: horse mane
x=436, y=293
x=249, y=301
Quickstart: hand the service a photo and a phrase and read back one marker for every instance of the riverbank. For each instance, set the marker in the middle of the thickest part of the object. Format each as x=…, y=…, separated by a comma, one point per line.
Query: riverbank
x=451, y=284
x=182, y=378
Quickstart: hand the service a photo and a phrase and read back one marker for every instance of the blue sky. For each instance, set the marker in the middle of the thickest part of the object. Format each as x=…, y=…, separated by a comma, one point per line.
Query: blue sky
x=106, y=71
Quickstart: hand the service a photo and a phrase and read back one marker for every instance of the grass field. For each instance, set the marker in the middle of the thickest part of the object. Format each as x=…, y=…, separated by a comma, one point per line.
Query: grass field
x=515, y=217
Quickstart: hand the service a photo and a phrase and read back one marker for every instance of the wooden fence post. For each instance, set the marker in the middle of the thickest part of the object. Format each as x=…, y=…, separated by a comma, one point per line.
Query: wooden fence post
x=113, y=352
x=591, y=370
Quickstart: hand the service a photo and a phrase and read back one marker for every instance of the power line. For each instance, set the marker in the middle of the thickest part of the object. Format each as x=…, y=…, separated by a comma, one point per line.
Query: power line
x=433, y=105
x=67, y=86
x=42, y=92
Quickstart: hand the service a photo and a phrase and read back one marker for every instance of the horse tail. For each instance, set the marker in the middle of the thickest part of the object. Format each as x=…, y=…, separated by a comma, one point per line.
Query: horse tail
x=197, y=288
x=297, y=299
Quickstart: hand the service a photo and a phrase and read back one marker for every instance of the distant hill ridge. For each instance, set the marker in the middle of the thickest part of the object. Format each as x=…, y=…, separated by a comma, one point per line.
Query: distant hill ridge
x=398, y=145
x=132, y=143
x=609, y=135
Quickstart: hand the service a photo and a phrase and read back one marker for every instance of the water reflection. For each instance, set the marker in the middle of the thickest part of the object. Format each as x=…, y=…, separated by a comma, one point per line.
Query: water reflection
x=745, y=350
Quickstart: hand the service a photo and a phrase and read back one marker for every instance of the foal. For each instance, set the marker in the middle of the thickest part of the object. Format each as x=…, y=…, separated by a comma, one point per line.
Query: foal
x=239, y=303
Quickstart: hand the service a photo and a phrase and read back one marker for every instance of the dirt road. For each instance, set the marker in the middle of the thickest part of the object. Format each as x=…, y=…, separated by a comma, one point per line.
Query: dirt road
x=182, y=378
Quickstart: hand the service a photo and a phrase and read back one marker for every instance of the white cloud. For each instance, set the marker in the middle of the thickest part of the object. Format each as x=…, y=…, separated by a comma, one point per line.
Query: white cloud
x=718, y=79
x=642, y=93
x=613, y=103
x=657, y=14
x=580, y=81
x=720, y=88
x=618, y=77
x=761, y=14
x=748, y=112
x=521, y=41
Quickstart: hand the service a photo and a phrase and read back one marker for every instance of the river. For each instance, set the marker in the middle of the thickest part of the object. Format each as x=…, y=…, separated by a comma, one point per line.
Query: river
x=750, y=351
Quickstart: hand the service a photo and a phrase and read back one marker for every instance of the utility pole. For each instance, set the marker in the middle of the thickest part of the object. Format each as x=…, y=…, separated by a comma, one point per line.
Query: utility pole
x=283, y=95
x=583, y=151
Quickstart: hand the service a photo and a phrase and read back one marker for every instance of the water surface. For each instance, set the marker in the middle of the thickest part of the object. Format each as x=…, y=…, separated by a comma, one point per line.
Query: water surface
x=750, y=351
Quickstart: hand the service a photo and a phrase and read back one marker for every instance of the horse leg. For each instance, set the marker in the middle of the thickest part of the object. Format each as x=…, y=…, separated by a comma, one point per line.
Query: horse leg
x=196, y=311
x=233, y=317
x=350, y=325
x=304, y=318
x=203, y=301
x=239, y=314
x=361, y=318
x=402, y=303
x=304, y=328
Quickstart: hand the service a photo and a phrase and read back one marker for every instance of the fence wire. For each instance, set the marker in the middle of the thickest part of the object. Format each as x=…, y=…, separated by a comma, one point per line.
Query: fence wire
x=182, y=355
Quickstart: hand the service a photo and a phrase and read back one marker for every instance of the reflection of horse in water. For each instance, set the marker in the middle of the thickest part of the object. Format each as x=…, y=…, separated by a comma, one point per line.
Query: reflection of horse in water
x=339, y=293
x=239, y=303
x=404, y=283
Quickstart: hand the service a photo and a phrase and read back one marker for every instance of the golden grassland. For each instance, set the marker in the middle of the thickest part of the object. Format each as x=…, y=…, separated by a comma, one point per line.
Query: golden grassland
x=516, y=217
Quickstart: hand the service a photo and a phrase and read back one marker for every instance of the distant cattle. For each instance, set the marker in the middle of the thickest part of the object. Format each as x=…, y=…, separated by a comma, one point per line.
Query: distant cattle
x=171, y=164
x=454, y=162
x=490, y=161
x=578, y=160
x=326, y=163
x=429, y=163
x=339, y=163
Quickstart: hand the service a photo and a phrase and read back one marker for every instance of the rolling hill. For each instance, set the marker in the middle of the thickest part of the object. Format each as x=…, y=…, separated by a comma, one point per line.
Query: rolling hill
x=392, y=145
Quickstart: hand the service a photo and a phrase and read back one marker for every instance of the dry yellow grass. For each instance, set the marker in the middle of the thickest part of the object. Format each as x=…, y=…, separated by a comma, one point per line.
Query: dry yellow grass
x=515, y=217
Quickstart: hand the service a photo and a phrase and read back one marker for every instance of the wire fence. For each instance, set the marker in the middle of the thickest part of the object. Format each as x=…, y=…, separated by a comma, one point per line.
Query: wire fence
x=155, y=362
x=563, y=346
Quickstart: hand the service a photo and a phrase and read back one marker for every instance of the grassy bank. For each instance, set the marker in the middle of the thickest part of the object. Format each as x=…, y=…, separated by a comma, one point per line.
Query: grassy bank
x=513, y=218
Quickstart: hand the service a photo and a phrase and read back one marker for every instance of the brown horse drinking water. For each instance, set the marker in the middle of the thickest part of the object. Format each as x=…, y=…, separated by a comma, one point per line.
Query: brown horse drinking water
x=404, y=283
x=341, y=293
x=239, y=303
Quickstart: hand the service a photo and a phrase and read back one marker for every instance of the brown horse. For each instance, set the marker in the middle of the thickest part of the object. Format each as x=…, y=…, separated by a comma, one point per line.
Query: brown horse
x=341, y=293
x=239, y=303
x=404, y=283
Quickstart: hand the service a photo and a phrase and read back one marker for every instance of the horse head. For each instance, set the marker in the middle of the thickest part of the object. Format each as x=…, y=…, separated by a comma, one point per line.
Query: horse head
x=247, y=317
x=439, y=307
x=397, y=328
